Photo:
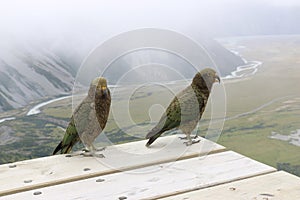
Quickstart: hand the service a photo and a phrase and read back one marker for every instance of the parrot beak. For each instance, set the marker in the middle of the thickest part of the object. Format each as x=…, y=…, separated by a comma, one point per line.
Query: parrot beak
x=104, y=90
x=217, y=79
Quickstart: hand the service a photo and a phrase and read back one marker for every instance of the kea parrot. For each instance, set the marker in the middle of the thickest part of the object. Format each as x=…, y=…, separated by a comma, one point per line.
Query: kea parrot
x=186, y=108
x=88, y=119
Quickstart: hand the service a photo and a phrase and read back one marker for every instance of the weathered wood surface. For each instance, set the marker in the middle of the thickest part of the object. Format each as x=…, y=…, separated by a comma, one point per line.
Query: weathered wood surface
x=273, y=186
x=36, y=173
x=156, y=181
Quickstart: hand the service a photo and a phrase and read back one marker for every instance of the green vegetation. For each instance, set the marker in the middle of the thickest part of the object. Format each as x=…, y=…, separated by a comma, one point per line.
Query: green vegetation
x=277, y=80
x=250, y=135
x=35, y=138
x=293, y=169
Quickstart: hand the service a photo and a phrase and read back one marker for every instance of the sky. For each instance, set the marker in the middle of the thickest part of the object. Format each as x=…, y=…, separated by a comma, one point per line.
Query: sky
x=85, y=19
x=283, y=2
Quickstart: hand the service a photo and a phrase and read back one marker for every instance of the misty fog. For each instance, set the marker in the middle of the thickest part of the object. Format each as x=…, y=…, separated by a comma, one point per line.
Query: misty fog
x=79, y=26
x=43, y=43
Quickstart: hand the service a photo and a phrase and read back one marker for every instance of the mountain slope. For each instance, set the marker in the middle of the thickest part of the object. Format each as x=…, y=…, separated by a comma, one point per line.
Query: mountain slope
x=28, y=74
x=32, y=70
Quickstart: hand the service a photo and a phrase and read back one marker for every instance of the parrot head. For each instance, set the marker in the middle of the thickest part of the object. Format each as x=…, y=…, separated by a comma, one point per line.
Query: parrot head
x=101, y=85
x=210, y=75
x=206, y=78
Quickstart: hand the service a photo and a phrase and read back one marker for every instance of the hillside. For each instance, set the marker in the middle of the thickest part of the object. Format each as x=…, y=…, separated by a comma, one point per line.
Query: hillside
x=31, y=71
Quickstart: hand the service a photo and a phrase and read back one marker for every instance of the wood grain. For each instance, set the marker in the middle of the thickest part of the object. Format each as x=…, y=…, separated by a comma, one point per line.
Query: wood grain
x=41, y=172
x=274, y=186
x=158, y=180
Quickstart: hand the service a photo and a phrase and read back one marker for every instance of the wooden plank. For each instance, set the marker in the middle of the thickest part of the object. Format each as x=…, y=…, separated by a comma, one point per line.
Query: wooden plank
x=156, y=181
x=30, y=174
x=274, y=186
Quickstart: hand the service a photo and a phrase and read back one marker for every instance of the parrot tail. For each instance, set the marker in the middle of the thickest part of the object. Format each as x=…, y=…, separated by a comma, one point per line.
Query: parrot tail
x=151, y=140
x=153, y=135
x=59, y=147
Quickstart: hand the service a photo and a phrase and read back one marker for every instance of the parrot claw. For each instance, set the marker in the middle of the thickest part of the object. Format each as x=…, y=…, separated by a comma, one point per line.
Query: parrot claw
x=101, y=149
x=85, y=150
x=193, y=141
x=196, y=140
x=93, y=149
x=196, y=136
x=99, y=155
x=183, y=137
x=186, y=138
x=92, y=154
x=188, y=143
x=87, y=154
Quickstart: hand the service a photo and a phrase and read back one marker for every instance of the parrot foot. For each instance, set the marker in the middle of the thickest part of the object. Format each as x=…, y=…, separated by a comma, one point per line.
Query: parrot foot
x=196, y=136
x=99, y=155
x=193, y=141
x=101, y=149
x=93, y=148
x=85, y=150
x=186, y=138
x=92, y=154
x=183, y=137
x=87, y=154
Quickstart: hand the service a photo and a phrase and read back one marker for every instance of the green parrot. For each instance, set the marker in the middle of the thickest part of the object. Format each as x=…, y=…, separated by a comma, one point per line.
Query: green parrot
x=89, y=118
x=186, y=108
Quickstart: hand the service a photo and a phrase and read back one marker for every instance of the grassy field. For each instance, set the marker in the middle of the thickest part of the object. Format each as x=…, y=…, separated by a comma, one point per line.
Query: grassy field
x=277, y=79
x=256, y=106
